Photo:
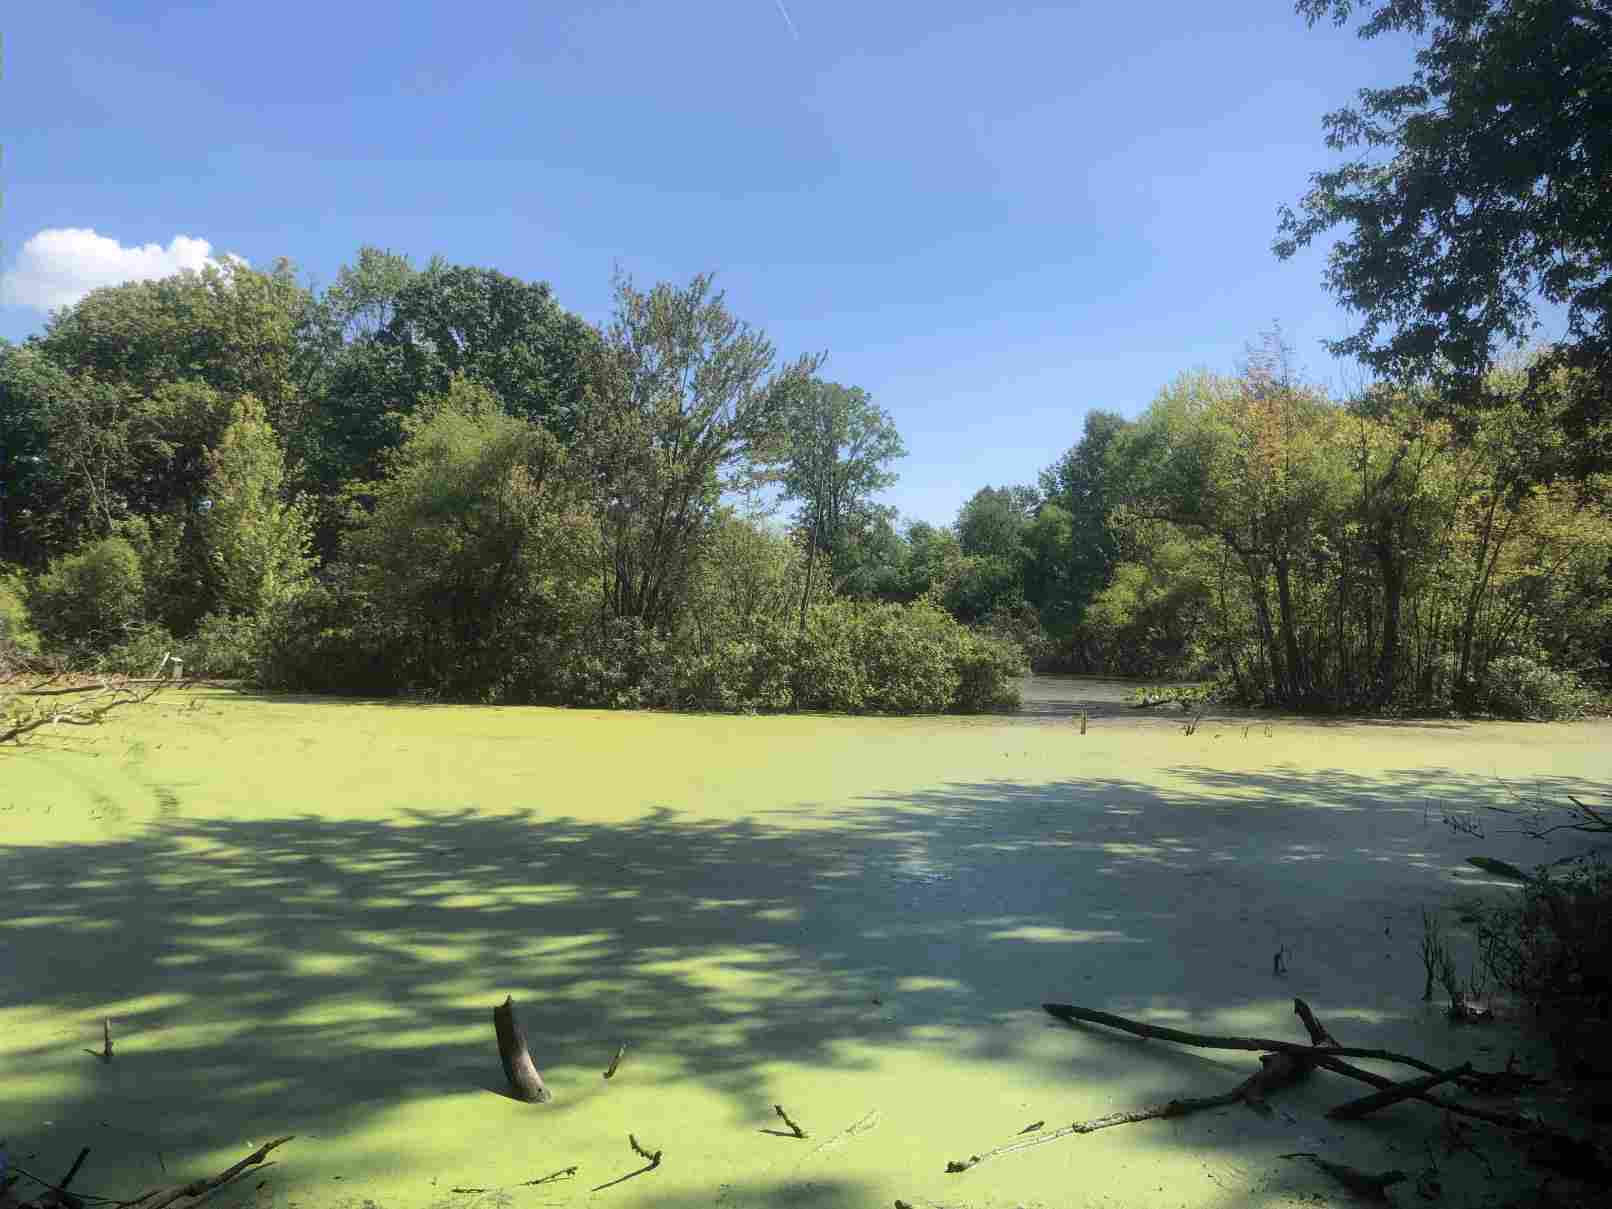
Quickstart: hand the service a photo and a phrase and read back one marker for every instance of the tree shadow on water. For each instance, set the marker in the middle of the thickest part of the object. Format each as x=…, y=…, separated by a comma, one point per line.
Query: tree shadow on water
x=309, y=974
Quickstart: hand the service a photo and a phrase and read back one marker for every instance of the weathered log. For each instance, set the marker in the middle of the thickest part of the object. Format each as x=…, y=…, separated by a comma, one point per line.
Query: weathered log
x=524, y=1081
x=1410, y=1089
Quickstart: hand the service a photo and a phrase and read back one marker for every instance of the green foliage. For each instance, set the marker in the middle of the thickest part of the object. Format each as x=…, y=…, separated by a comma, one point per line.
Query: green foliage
x=15, y=628
x=1520, y=686
x=1482, y=193
x=140, y=651
x=836, y=449
x=257, y=544
x=90, y=598
x=478, y=546
x=992, y=523
x=680, y=394
x=860, y=658
x=1553, y=948
x=224, y=647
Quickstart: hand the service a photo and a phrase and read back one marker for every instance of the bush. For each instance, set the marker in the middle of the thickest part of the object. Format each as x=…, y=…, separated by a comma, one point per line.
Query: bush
x=223, y=646
x=900, y=659
x=1553, y=948
x=324, y=640
x=1520, y=686
x=15, y=630
x=89, y=599
x=140, y=652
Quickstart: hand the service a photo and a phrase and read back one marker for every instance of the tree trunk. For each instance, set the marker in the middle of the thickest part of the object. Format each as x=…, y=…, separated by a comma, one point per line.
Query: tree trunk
x=1393, y=574
x=524, y=1081
x=1298, y=679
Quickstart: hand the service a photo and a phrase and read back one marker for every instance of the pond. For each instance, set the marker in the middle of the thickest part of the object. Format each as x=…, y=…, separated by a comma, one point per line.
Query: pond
x=298, y=914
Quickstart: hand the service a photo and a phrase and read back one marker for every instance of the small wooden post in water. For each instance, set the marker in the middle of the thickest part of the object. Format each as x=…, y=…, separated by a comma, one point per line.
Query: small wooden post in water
x=524, y=1081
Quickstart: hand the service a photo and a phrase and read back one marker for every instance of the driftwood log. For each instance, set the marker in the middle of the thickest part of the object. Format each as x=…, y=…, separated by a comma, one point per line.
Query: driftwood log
x=524, y=1082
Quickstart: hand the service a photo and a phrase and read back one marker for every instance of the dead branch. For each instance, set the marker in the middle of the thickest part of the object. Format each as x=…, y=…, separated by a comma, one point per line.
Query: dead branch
x=105, y=1052
x=654, y=1162
x=784, y=1117
x=621, y=1052
x=654, y=1159
x=160, y=1199
x=1327, y=1057
x=1071, y=1014
x=1276, y=1071
x=1408, y=1090
x=79, y=713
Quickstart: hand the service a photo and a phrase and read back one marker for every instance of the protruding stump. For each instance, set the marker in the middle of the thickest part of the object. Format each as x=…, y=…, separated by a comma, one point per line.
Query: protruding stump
x=524, y=1081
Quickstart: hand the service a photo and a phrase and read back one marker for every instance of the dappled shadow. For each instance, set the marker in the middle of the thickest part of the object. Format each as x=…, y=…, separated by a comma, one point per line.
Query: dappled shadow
x=303, y=973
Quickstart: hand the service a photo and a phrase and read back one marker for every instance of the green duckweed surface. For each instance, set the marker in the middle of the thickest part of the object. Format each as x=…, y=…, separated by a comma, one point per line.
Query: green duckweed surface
x=298, y=914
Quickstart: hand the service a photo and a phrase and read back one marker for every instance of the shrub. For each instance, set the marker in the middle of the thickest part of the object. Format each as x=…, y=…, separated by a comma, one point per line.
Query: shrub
x=1553, y=948
x=15, y=630
x=89, y=599
x=1520, y=686
x=222, y=646
x=988, y=676
x=324, y=640
x=140, y=652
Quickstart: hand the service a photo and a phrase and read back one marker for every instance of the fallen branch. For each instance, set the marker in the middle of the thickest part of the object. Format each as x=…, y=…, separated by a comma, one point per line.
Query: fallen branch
x=784, y=1117
x=1408, y=1090
x=162, y=1198
x=524, y=1081
x=1069, y=1013
x=621, y=1052
x=1276, y=1070
x=105, y=1052
x=654, y=1162
x=1327, y=1057
x=563, y=1173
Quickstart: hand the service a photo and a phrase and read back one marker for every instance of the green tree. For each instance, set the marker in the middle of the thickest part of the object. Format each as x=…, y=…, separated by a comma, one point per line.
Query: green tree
x=90, y=598
x=477, y=553
x=681, y=397
x=229, y=326
x=992, y=522
x=1481, y=189
x=839, y=448
x=257, y=542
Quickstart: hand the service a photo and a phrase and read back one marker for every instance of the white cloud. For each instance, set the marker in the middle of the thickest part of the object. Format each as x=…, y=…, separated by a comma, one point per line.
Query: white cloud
x=59, y=266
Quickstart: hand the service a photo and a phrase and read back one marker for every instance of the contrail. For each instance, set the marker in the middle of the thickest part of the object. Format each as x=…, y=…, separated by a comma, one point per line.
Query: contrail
x=784, y=13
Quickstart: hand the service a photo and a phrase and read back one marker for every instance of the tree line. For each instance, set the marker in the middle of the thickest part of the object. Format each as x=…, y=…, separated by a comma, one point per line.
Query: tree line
x=440, y=481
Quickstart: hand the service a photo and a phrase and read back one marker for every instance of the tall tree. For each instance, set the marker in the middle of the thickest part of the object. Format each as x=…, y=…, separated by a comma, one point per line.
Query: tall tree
x=1480, y=189
x=680, y=396
x=839, y=448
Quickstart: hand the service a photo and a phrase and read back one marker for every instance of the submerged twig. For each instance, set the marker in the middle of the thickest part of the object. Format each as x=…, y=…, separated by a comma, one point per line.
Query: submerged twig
x=654, y=1162
x=1361, y=1183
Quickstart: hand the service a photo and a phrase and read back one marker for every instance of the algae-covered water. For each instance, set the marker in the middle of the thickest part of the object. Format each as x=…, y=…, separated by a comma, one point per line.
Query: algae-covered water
x=298, y=914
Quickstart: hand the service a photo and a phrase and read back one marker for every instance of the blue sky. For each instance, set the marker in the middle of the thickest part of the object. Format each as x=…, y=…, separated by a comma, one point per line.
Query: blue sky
x=992, y=217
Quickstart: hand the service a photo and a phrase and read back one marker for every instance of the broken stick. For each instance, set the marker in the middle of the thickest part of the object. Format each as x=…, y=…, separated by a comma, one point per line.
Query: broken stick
x=621, y=1052
x=784, y=1117
x=524, y=1081
x=1317, y=1030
